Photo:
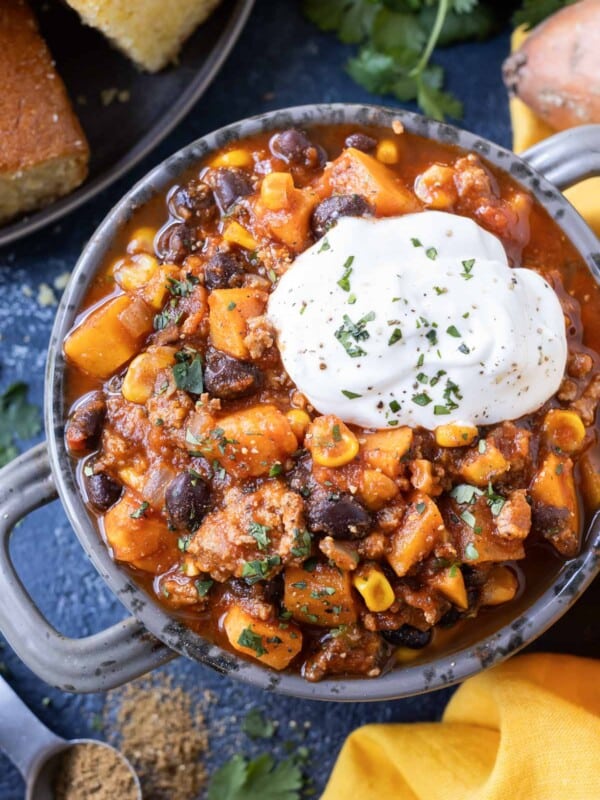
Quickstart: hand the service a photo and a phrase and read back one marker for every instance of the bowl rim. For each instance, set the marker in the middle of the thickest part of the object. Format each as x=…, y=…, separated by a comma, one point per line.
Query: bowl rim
x=573, y=576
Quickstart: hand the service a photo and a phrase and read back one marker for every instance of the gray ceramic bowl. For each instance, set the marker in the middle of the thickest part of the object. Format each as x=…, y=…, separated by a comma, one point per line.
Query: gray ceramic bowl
x=151, y=636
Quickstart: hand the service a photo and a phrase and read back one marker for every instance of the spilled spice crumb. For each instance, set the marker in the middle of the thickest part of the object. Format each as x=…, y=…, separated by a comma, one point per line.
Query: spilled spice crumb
x=93, y=772
x=157, y=727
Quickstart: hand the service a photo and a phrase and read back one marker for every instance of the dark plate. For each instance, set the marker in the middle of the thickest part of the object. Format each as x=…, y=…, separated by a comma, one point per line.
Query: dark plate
x=121, y=133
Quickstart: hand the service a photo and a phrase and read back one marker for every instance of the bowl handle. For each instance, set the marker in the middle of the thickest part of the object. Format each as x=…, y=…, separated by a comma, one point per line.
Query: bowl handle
x=92, y=664
x=567, y=157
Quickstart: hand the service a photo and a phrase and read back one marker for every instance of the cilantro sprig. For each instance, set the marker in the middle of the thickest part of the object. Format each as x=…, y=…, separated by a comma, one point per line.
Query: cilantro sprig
x=259, y=779
x=19, y=419
x=397, y=39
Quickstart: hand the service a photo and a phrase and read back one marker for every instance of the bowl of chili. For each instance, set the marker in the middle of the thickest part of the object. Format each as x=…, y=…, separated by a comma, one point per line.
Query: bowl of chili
x=154, y=559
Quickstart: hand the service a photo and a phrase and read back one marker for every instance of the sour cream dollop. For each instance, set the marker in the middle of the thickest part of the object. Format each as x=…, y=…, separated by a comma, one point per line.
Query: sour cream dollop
x=417, y=320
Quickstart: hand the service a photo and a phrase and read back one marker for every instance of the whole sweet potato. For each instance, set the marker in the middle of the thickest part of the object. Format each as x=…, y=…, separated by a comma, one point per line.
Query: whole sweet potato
x=556, y=71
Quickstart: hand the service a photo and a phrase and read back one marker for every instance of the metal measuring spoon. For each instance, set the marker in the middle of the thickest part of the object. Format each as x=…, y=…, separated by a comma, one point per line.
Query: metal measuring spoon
x=35, y=750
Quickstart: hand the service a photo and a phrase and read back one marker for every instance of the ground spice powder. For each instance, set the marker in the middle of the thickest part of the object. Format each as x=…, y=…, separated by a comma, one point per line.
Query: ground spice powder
x=157, y=727
x=93, y=772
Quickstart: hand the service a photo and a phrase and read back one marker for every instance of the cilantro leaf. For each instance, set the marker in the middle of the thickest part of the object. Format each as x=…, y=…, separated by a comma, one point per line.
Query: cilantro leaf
x=437, y=103
x=256, y=726
x=350, y=19
x=18, y=419
x=187, y=373
x=259, y=779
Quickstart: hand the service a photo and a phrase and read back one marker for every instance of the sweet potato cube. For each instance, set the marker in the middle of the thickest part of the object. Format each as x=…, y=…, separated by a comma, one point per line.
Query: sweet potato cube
x=138, y=535
x=479, y=467
x=321, y=597
x=451, y=584
x=554, y=487
x=355, y=172
x=286, y=210
x=473, y=533
x=384, y=450
x=109, y=336
x=229, y=312
x=271, y=642
x=422, y=528
x=246, y=443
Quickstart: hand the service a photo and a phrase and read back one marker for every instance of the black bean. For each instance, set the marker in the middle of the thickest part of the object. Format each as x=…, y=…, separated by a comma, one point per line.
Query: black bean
x=450, y=618
x=175, y=242
x=102, y=491
x=223, y=271
x=193, y=199
x=407, y=636
x=327, y=213
x=290, y=145
x=337, y=515
x=294, y=147
x=85, y=424
x=187, y=500
x=360, y=141
x=227, y=377
x=229, y=185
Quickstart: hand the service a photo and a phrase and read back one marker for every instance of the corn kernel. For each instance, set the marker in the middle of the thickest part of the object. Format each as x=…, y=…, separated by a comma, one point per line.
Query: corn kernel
x=133, y=273
x=142, y=241
x=141, y=374
x=500, y=587
x=233, y=158
x=189, y=568
x=237, y=234
x=564, y=430
x=387, y=152
x=275, y=189
x=299, y=420
x=331, y=443
x=132, y=478
x=455, y=435
x=404, y=655
x=375, y=589
x=376, y=489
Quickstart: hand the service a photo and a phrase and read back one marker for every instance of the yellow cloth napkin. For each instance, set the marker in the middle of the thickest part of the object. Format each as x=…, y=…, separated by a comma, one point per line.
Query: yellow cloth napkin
x=528, y=729
x=529, y=129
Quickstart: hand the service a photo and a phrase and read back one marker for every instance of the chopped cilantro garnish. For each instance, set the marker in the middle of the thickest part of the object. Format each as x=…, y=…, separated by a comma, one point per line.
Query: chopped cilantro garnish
x=471, y=552
x=203, y=587
x=344, y=281
x=183, y=288
x=336, y=433
x=275, y=470
x=394, y=406
x=258, y=570
x=416, y=243
x=350, y=395
x=441, y=410
x=357, y=331
x=140, y=511
x=440, y=290
x=252, y=641
x=302, y=543
x=324, y=246
x=467, y=269
x=260, y=534
x=421, y=507
x=431, y=253
x=467, y=517
x=453, y=331
x=465, y=493
x=432, y=336
x=464, y=349
x=421, y=360
x=231, y=306
x=395, y=337
x=421, y=399
x=187, y=373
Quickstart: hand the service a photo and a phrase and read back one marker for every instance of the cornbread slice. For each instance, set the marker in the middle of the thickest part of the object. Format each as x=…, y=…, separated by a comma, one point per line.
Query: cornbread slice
x=43, y=151
x=150, y=32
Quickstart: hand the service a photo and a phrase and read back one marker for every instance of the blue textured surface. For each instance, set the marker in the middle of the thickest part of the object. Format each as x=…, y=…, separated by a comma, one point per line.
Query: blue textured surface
x=280, y=60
